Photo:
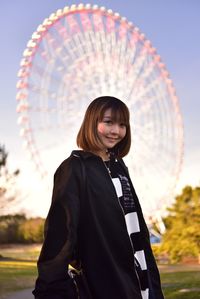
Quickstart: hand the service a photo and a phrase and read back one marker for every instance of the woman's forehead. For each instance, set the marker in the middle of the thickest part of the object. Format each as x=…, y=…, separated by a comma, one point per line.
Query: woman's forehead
x=108, y=113
x=116, y=115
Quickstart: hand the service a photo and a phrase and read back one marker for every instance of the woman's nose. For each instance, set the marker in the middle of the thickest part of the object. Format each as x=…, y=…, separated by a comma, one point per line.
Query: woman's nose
x=115, y=129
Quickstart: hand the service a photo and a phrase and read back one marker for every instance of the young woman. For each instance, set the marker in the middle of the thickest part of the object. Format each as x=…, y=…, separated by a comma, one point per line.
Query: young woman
x=95, y=216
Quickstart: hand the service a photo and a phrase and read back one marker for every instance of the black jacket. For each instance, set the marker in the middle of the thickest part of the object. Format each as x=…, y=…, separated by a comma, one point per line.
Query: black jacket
x=85, y=215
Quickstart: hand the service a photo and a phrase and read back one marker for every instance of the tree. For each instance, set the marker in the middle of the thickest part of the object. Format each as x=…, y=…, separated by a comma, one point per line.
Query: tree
x=7, y=180
x=182, y=236
x=9, y=228
x=31, y=230
x=18, y=229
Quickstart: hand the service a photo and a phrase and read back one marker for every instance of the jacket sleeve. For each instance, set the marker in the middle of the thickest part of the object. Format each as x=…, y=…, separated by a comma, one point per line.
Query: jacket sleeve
x=153, y=273
x=60, y=235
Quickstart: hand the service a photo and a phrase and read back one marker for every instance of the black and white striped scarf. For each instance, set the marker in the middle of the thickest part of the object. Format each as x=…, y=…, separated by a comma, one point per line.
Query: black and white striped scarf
x=126, y=201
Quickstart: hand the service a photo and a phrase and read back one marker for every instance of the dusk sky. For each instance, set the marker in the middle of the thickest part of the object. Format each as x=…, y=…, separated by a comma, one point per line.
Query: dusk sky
x=172, y=26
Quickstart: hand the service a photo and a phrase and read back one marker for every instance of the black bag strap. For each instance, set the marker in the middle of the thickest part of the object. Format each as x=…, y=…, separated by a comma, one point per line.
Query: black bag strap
x=78, y=265
x=83, y=182
x=78, y=276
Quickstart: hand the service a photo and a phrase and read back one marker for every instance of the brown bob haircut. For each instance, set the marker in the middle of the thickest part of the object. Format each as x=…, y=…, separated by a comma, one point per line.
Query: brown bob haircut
x=87, y=137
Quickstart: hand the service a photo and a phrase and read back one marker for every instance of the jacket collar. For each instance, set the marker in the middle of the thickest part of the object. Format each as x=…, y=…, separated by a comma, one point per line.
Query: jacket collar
x=84, y=154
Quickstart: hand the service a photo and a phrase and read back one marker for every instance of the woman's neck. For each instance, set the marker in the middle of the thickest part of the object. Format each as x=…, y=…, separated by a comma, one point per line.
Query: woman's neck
x=104, y=154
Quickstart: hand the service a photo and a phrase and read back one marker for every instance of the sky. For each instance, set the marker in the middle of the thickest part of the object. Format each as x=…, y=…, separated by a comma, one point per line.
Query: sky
x=172, y=26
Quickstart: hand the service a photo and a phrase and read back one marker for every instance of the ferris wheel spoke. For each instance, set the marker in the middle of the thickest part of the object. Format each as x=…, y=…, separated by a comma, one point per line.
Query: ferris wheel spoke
x=80, y=53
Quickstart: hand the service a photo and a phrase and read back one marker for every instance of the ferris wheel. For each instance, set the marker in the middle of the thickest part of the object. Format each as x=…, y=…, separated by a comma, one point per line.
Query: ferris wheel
x=80, y=53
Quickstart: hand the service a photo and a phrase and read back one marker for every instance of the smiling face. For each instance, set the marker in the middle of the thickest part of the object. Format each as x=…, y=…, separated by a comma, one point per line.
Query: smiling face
x=110, y=131
x=106, y=126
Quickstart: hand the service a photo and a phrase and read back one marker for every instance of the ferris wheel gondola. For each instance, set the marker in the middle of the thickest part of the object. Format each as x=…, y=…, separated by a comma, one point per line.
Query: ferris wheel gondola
x=82, y=52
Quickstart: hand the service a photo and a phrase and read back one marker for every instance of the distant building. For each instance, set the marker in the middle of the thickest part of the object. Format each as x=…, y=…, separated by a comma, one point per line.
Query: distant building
x=155, y=237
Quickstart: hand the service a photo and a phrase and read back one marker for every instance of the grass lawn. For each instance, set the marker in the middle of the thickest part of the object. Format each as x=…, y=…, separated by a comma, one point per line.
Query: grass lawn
x=18, y=271
x=181, y=281
x=16, y=275
x=17, y=267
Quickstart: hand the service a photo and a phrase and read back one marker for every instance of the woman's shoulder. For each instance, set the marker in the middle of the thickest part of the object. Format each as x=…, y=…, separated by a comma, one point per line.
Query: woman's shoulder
x=123, y=165
x=73, y=161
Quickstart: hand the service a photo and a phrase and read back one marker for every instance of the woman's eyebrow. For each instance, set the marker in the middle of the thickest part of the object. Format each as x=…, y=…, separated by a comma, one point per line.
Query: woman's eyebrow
x=107, y=116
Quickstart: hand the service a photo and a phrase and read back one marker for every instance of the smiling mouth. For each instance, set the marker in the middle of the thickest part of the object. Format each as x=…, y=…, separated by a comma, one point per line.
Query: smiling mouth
x=112, y=139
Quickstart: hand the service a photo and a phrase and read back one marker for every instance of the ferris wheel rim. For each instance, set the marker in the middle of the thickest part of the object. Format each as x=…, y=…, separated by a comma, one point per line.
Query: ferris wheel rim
x=31, y=51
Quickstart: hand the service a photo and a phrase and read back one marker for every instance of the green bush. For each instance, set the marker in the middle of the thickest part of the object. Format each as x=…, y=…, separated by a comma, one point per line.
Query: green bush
x=18, y=229
x=31, y=230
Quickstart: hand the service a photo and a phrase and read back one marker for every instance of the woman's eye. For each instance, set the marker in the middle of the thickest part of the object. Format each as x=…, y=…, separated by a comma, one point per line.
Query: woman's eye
x=109, y=122
x=122, y=125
